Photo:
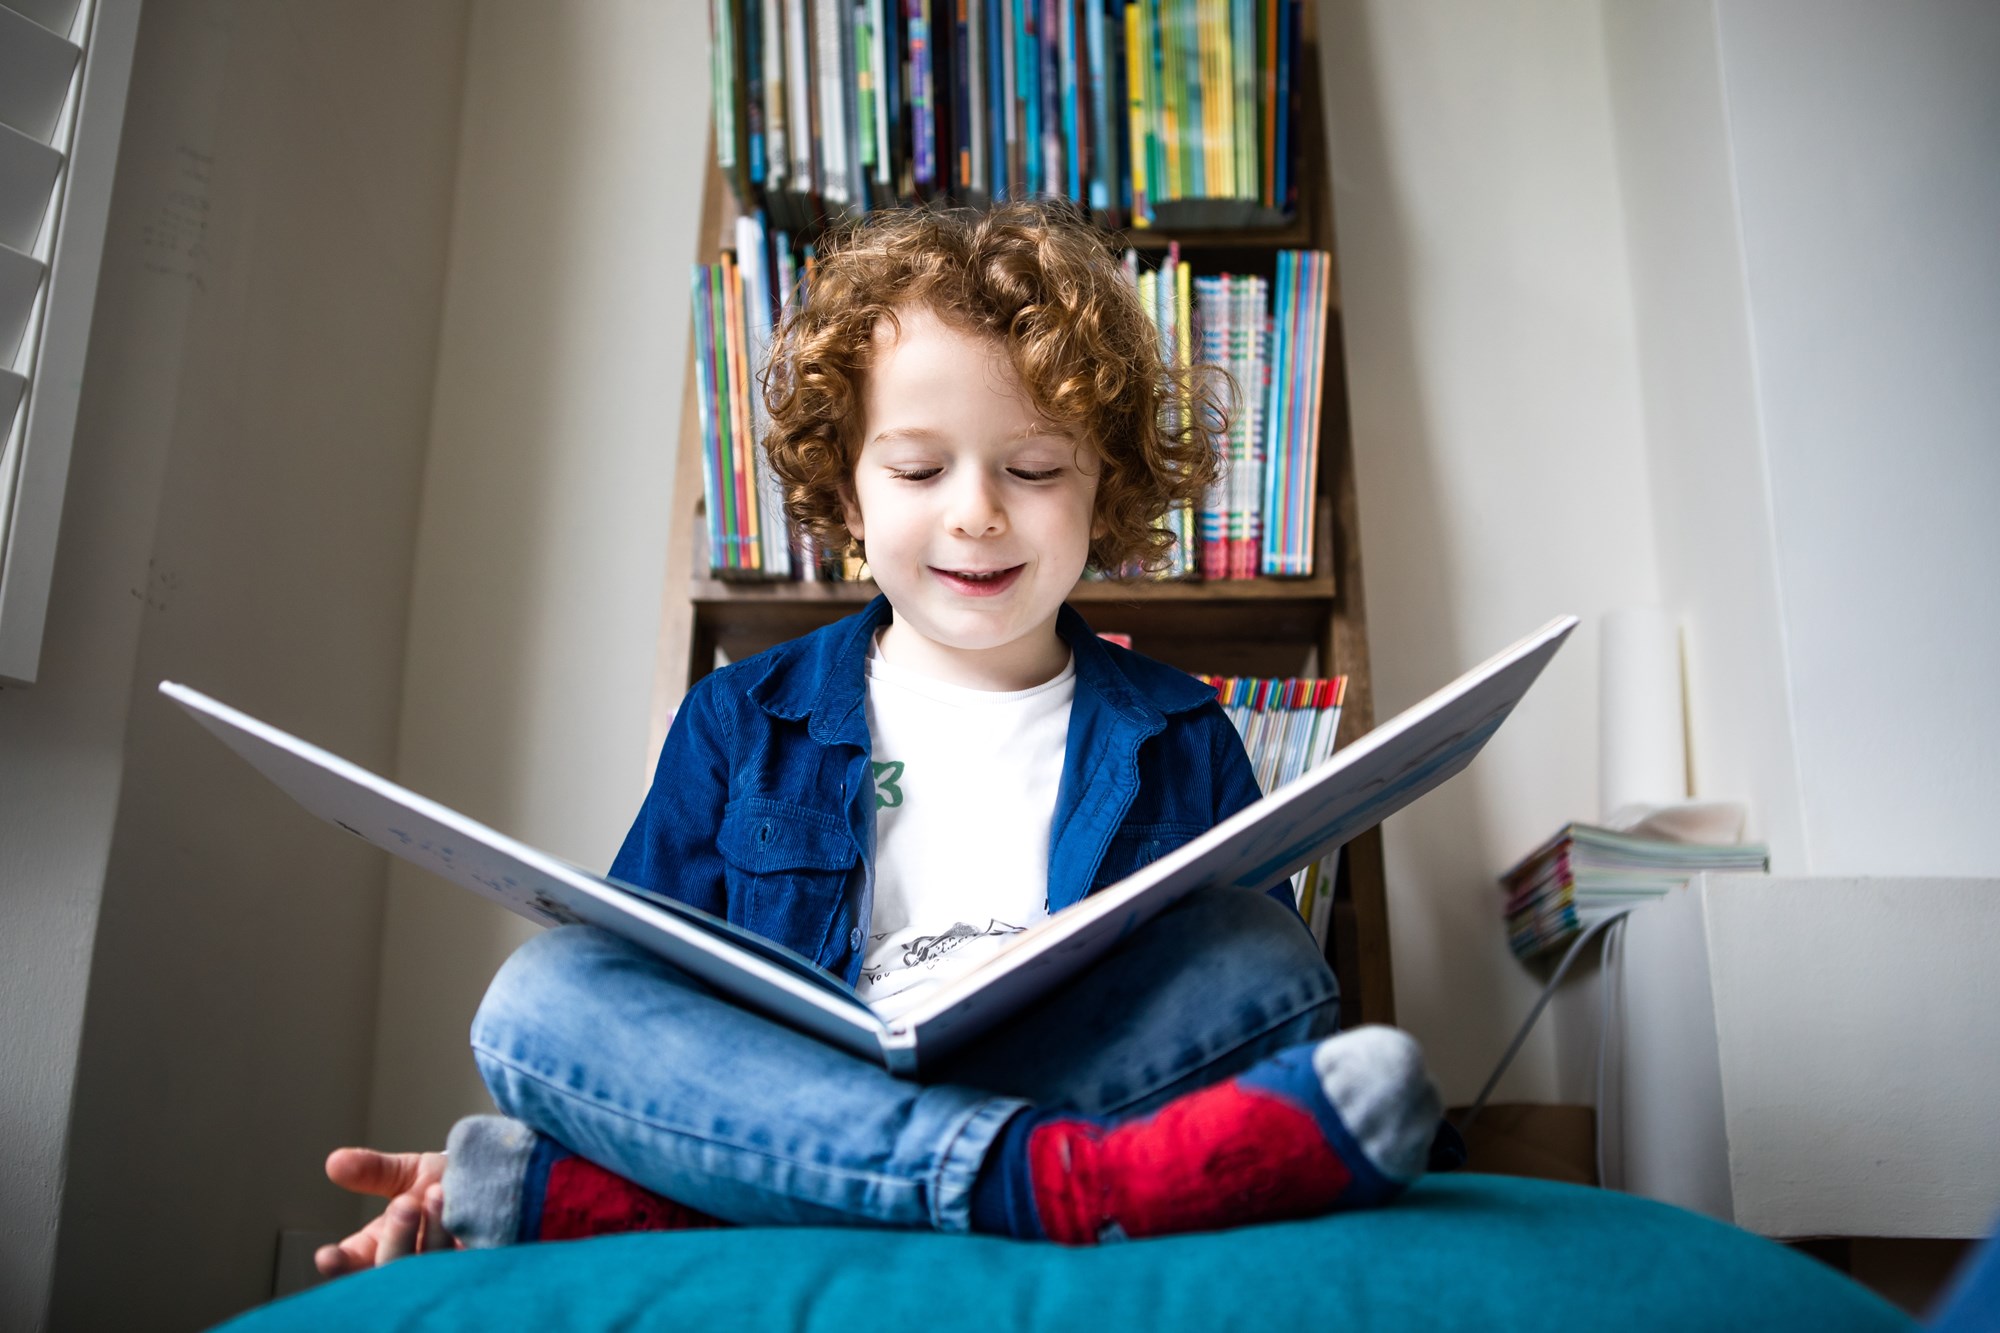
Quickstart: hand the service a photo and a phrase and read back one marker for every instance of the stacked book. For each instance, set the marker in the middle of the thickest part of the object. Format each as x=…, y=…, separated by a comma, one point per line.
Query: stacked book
x=735, y=305
x=1585, y=873
x=1288, y=726
x=1167, y=295
x=1173, y=113
x=1269, y=334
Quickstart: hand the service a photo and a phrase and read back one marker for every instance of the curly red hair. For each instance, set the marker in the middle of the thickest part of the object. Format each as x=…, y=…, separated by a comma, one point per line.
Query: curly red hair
x=1040, y=278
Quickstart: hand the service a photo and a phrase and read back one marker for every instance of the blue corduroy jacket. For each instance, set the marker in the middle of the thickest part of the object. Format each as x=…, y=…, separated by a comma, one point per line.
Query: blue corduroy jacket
x=762, y=809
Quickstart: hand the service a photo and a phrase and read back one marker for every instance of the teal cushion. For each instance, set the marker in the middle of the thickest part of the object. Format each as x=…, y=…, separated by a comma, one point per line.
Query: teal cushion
x=1467, y=1251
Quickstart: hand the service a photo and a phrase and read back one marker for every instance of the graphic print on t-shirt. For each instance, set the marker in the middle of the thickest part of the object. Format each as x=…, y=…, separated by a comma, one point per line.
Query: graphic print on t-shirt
x=887, y=794
x=927, y=951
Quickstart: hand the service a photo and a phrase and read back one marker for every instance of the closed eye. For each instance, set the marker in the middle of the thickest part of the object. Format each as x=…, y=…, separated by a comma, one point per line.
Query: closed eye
x=914, y=474
x=1027, y=475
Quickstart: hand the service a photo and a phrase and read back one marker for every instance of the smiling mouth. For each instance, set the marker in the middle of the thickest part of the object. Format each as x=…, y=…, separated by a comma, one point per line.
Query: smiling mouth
x=978, y=582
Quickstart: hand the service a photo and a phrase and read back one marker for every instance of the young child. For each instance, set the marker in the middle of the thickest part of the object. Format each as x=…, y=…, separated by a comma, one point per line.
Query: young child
x=976, y=400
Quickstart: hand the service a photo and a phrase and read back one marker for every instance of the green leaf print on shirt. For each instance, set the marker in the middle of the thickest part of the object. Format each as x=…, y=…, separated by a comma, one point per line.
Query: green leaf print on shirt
x=887, y=794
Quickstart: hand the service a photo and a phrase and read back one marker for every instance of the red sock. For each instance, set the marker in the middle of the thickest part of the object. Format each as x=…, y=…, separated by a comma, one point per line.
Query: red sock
x=1225, y=1156
x=1344, y=1123
x=582, y=1199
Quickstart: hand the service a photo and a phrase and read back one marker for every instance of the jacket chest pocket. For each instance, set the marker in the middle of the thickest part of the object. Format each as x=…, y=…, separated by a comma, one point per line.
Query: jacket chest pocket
x=1137, y=846
x=786, y=870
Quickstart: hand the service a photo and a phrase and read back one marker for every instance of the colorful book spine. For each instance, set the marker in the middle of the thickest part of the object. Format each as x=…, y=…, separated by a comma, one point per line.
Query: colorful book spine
x=707, y=404
x=1289, y=727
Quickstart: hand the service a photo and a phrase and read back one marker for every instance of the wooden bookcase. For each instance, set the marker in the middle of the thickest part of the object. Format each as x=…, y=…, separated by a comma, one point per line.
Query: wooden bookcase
x=1271, y=627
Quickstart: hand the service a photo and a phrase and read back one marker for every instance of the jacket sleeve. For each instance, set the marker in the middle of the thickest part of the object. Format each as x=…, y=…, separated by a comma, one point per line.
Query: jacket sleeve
x=1236, y=781
x=671, y=846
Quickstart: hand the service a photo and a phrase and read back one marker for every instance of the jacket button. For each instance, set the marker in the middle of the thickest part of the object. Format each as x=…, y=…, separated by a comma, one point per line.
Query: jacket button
x=854, y=939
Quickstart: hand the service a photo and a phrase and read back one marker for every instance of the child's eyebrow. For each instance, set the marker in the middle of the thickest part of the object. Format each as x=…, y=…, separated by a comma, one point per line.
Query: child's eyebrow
x=895, y=433
x=892, y=434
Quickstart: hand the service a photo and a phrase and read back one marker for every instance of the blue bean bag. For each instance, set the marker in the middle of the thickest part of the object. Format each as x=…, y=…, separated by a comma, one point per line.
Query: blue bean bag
x=1458, y=1252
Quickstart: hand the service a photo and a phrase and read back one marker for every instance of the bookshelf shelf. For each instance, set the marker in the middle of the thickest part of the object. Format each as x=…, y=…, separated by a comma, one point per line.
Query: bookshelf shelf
x=1266, y=626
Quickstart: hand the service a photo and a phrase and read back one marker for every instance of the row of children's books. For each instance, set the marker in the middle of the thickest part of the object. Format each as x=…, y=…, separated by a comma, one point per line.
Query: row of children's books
x=1269, y=334
x=1176, y=113
x=1585, y=873
x=1289, y=725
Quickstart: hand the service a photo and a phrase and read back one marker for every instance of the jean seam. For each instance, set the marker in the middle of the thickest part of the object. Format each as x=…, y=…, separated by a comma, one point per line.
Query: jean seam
x=810, y=1168
x=1265, y=1030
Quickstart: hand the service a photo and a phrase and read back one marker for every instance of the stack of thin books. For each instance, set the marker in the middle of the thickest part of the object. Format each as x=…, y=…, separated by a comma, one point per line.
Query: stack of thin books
x=1288, y=726
x=1586, y=873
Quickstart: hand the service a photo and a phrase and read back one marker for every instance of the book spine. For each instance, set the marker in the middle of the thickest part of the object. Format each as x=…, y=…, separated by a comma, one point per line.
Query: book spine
x=749, y=533
x=1101, y=95
x=1274, y=449
x=1267, y=120
x=923, y=121
x=1010, y=85
x=1215, y=506
x=1137, y=111
x=711, y=427
x=724, y=555
x=1322, y=298
x=1051, y=87
x=776, y=147
x=960, y=67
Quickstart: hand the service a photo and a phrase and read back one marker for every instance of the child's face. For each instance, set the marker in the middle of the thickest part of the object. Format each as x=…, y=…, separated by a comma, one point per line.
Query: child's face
x=977, y=515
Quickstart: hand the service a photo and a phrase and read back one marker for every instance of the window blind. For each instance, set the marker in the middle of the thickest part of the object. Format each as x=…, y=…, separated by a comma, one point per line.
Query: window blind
x=64, y=65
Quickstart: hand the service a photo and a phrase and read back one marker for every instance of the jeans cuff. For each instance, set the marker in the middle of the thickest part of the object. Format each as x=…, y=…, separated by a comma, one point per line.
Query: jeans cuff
x=964, y=1153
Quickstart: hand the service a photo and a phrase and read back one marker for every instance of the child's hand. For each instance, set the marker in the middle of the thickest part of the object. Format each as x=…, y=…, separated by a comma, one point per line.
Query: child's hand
x=413, y=1183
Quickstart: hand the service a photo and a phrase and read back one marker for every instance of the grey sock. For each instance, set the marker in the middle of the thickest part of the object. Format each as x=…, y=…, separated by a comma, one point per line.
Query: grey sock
x=1375, y=1078
x=485, y=1175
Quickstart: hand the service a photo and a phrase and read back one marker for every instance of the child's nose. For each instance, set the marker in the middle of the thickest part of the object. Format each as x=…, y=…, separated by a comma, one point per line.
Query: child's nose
x=976, y=509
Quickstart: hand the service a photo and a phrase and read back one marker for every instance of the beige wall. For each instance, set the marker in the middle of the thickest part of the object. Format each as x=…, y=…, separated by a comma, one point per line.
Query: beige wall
x=188, y=966
x=547, y=492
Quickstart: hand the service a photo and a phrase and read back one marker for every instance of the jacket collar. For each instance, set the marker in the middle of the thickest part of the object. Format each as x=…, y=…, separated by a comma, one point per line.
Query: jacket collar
x=822, y=677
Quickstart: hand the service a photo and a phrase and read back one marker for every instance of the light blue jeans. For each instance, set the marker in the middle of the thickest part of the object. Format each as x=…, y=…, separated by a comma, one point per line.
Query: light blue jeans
x=638, y=1067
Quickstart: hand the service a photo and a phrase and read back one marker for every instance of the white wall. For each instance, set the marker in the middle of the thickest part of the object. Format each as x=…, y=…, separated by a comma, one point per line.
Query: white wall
x=1498, y=445
x=548, y=489
x=1867, y=146
x=241, y=514
x=1710, y=487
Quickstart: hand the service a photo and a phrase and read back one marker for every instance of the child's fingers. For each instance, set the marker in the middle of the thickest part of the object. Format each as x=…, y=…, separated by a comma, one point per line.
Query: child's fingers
x=366, y=1171
x=435, y=1237
x=351, y=1255
x=400, y=1223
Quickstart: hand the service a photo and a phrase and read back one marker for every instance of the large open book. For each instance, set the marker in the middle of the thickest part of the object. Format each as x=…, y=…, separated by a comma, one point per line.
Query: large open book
x=1254, y=848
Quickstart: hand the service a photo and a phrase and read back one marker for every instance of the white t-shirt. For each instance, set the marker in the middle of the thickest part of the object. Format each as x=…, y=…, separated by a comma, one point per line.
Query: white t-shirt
x=965, y=791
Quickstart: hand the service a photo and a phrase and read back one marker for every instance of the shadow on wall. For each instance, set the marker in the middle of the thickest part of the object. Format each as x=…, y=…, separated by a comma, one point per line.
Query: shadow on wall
x=229, y=1022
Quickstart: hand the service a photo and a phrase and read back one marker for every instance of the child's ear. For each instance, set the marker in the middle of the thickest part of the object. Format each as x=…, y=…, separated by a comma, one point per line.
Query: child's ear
x=850, y=509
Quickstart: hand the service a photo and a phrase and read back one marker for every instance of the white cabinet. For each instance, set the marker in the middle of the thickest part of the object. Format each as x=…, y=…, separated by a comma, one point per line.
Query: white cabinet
x=1802, y=1056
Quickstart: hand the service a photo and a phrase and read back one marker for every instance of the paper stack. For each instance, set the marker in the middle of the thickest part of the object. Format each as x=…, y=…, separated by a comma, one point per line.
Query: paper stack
x=1585, y=873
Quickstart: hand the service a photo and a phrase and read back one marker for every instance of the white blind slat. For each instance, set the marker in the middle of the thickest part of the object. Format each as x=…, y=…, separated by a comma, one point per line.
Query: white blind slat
x=20, y=278
x=27, y=175
x=58, y=16
x=11, y=386
x=35, y=71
